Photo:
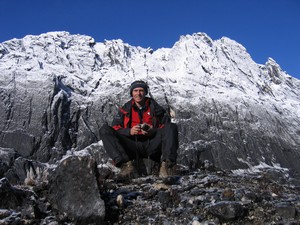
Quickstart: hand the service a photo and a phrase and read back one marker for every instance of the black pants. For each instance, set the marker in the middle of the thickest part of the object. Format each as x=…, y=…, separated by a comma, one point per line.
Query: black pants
x=161, y=146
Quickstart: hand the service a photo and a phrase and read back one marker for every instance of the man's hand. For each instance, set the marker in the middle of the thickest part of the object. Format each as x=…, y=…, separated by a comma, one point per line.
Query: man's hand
x=135, y=129
x=148, y=131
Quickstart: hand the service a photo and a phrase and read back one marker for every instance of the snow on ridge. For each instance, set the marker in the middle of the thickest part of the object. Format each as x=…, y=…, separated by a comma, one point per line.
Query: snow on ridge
x=262, y=166
x=195, y=68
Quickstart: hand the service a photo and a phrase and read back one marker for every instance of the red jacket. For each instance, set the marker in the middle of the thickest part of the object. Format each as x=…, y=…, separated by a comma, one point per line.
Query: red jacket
x=128, y=116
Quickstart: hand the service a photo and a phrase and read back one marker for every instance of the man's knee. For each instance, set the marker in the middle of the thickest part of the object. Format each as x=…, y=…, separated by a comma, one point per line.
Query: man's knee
x=105, y=130
x=171, y=127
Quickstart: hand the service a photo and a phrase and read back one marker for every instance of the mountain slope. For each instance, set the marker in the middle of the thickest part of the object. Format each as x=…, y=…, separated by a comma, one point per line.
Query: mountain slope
x=58, y=89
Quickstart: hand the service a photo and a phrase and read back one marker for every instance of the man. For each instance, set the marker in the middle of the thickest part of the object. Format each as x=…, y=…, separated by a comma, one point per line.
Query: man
x=141, y=129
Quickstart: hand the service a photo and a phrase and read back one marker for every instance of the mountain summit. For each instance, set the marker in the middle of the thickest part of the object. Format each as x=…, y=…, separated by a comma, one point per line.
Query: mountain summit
x=57, y=89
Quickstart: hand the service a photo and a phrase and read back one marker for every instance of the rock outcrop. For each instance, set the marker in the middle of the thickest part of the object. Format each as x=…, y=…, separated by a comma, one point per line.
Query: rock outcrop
x=73, y=189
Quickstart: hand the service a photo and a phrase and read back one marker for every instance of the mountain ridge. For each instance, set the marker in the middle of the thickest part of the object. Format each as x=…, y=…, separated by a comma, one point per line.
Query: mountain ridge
x=238, y=122
x=213, y=84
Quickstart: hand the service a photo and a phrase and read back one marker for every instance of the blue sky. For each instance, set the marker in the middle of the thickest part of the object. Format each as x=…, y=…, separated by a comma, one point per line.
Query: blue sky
x=266, y=28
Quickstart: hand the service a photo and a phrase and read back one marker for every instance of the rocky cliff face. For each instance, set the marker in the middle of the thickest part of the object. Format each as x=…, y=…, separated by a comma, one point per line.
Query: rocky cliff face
x=57, y=90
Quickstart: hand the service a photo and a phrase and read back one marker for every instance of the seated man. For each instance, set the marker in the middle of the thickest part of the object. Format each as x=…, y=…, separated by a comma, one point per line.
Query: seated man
x=141, y=129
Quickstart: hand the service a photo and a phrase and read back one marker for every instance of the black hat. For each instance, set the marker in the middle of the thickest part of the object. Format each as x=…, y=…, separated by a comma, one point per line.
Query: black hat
x=139, y=83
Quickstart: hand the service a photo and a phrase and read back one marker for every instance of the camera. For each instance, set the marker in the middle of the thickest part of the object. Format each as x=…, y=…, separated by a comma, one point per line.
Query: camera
x=145, y=127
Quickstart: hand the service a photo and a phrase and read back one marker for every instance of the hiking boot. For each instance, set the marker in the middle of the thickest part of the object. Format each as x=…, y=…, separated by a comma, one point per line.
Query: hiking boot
x=127, y=171
x=166, y=169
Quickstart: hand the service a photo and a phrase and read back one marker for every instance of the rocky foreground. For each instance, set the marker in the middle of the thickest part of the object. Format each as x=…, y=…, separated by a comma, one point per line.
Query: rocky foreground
x=206, y=196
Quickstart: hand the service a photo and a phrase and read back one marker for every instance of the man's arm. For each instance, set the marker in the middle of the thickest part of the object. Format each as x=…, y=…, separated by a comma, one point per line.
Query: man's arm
x=118, y=124
x=161, y=115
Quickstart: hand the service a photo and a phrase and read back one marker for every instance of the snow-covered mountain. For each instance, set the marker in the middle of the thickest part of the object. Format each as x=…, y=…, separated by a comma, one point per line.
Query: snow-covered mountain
x=57, y=89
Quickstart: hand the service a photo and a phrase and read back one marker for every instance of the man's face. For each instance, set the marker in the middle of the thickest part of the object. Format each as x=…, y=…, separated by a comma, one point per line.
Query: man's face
x=138, y=94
